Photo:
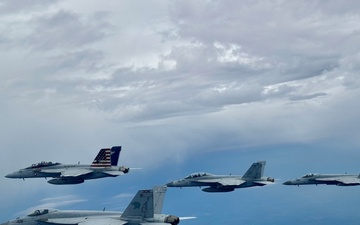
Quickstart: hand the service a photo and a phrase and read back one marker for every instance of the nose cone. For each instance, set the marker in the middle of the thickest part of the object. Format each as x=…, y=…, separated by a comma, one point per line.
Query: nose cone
x=289, y=182
x=176, y=183
x=10, y=175
x=171, y=184
x=17, y=174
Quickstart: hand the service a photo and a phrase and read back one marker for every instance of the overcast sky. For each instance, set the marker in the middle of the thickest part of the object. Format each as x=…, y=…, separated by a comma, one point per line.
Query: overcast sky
x=183, y=86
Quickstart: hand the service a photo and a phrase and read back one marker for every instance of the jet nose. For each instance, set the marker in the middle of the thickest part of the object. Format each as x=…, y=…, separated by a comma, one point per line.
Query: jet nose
x=13, y=175
x=10, y=175
x=287, y=183
x=17, y=174
x=173, y=184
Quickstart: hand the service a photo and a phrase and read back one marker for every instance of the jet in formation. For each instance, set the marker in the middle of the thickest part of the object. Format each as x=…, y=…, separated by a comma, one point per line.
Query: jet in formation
x=144, y=209
x=226, y=183
x=329, y=179
x=104, y=165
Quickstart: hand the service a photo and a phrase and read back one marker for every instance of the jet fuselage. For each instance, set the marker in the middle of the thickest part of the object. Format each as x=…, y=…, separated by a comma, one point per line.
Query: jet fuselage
x=210, y=180
x=55, y=171
x=67, y=215
x=328, y=179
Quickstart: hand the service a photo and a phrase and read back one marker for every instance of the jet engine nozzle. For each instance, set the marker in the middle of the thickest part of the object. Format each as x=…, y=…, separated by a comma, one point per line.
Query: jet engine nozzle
x=124, y=169
x=270, y=179
x=173, y=220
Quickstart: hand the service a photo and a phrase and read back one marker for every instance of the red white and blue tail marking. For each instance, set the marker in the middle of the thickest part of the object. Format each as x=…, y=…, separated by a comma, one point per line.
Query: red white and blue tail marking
x=103, y=159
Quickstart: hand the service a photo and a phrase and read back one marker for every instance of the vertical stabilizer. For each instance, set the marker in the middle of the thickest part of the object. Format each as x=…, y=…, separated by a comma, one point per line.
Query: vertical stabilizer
x=159, y=195
x=115, y=152
x=255, y=171
x=140, y=207
x=103, y=158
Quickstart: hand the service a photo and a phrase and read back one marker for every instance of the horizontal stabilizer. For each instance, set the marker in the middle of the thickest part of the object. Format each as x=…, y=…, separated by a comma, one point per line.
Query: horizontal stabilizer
x=262, y=183
x=265, y=181
x=114, y=173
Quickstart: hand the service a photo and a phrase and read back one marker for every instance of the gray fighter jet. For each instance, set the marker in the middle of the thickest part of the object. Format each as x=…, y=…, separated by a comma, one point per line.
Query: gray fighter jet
x=104, y=165
x=144, y=209
x=226, y=183
x=329, y=179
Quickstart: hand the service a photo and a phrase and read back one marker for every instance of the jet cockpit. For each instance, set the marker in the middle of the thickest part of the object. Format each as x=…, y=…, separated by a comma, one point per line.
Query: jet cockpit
x=309, y=175
x=201, y=174
x=42, y=164
x=39, y=212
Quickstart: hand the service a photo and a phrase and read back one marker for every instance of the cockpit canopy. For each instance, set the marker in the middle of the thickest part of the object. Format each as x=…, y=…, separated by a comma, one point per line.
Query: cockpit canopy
x=309, y=175
x=42, y=164
x=201, y=174
x=39, y=212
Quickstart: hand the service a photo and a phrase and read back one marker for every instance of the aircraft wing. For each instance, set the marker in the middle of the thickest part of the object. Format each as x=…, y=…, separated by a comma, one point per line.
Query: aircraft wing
x=69, y=172
x=75, y=172
x=82, y=221
x=68, y=221
x=224, y=181
x=263, y=182
x=343, y=180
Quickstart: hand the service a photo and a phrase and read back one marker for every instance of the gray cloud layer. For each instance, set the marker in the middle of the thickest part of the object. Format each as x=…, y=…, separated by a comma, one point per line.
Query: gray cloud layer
x=252, y=61
x=175, y=78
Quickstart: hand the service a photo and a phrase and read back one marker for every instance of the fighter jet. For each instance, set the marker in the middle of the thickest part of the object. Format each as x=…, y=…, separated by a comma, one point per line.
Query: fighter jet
x=329, y=179
x=144, y=209
x=226, y=183
x=104, y=165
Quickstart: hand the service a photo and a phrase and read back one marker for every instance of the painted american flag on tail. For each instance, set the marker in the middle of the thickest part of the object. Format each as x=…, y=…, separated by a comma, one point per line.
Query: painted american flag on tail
x=103, y=158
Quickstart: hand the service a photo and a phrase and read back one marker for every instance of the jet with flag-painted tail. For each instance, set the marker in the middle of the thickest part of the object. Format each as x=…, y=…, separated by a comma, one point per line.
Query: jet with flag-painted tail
x=104, y=165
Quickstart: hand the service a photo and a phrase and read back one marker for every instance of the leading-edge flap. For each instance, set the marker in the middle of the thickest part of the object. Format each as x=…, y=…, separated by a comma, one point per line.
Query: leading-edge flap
x=75, y=172
x=60, y=221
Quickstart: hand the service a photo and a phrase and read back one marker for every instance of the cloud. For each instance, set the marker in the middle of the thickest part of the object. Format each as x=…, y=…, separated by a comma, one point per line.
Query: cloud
x=170, y=80
x=123, y=195
x=192, y=66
